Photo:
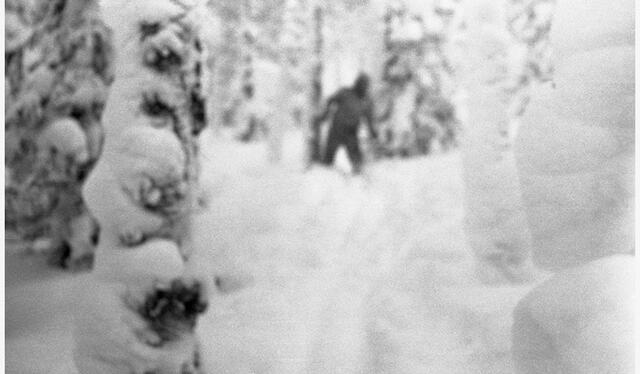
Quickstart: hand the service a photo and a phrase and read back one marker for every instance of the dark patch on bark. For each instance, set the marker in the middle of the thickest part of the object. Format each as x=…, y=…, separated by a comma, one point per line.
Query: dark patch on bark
x=163, y=60
x=172, y=311
x=149, y=29
x=198, y=112
x=153, y=106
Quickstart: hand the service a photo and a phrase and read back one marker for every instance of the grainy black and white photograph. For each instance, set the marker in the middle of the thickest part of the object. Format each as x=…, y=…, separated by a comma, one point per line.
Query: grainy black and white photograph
x=319, y=187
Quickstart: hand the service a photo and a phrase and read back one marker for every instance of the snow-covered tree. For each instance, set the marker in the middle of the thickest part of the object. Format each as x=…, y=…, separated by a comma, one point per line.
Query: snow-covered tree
x=315, y=99
x=141, y=303
x=490, y=77
x=403, y=37
x=258, y=50
x=248, y=66
x=576, y=145
x=224, y=61
x=58, y=58
x=437, y=76
x=295, y=42
x=281, y=77
x=249, y=35
x=576, y=161
x=529, y=22
x=418, y=82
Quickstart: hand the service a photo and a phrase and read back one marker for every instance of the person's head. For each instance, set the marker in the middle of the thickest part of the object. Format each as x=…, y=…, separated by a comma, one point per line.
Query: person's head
x=361, y=85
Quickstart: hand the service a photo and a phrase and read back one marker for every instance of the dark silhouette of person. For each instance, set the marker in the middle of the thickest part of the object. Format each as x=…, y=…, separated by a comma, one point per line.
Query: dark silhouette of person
x=255, y=125
x=349, y=107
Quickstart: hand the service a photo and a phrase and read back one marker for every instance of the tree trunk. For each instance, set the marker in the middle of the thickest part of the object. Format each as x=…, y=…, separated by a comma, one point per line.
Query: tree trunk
x=142, y=301
x=496, y=224
x=224, y=62
x=315, y=148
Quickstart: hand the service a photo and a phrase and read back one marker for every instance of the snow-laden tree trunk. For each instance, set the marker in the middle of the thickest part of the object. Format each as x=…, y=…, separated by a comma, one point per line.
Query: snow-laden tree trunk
x=290, y=79
x=575, y=157
x=296, y=44
x=315, y=99
x=576, y=146
x=224, y=62
x=248, y=47
x=496, y=224
x=139, y=308
x=415, y=99
x=58, y=59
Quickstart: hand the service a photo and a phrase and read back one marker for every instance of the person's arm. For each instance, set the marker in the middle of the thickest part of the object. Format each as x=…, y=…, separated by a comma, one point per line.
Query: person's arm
x=329, y=106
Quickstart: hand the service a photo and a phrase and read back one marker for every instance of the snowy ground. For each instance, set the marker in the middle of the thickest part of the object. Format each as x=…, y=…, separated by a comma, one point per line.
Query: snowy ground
x=323, y=273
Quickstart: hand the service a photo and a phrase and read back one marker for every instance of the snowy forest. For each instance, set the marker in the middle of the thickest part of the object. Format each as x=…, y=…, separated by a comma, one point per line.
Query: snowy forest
x=305, y=186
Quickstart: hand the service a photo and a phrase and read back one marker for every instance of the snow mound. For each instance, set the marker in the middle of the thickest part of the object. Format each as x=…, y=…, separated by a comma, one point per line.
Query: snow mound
x=66, y=137
x=321, y=272
x=154, y=260
x=579, y=321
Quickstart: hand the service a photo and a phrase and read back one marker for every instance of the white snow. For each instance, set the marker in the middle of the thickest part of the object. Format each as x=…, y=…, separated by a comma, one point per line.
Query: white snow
x=154, y=260
x=323, y=273
x=564, y=327
x=66, y=137
x=125, y=16
x=320, y=272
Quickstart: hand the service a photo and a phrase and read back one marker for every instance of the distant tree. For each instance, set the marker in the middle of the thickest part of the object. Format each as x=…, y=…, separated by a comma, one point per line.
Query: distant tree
x=58, y=69
x=224, y=63
x=295, y=43
x=529, y=22
x=315, y=149
x=418, y=78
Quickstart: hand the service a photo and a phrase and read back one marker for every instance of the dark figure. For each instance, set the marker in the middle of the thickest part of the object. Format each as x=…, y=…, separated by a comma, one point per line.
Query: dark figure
x=349, y=106
x=255, y=124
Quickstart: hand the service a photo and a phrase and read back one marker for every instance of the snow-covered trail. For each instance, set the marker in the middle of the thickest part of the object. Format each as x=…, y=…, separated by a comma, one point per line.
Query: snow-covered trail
x=38, y=307
x=347, y=275
x=324, y=274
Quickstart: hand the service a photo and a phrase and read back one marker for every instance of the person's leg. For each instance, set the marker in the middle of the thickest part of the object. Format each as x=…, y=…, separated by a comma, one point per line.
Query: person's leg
x=248, y=134
x=355, y=155
x=333, y=142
